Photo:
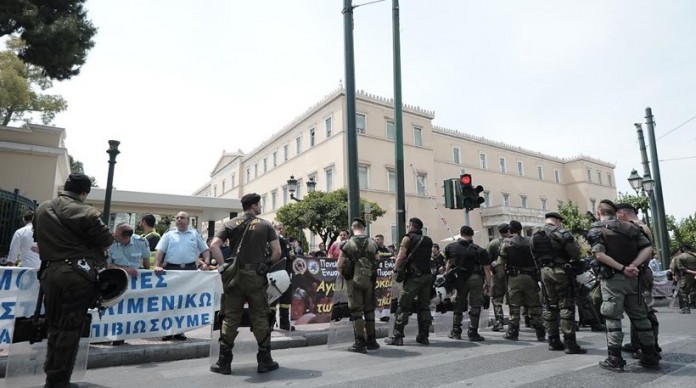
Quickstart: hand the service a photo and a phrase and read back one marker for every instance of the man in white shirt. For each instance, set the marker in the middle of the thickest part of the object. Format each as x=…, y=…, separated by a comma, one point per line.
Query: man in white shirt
x=23, y=245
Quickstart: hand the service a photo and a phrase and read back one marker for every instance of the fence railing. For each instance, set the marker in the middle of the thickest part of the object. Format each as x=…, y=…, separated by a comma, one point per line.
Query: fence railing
x=12, y=208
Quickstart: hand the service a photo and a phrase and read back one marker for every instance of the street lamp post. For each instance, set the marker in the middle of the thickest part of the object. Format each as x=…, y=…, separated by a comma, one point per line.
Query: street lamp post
x=640, y=186
x=112, y=151
x=292, y=187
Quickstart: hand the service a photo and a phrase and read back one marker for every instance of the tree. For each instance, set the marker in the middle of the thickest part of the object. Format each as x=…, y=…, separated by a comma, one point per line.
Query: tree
x=20, y=89
x=576, y=223
x=640, y=202
x=683, y=232
x=57, y=33
x=76, y=167
x=324, y=214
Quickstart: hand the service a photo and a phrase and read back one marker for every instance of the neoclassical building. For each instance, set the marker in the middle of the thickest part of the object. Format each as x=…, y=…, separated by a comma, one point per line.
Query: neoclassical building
x=519, y=184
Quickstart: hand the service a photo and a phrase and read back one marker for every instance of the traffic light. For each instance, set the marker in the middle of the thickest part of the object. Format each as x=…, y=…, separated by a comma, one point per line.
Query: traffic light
x=453, y=194
x=470, y=194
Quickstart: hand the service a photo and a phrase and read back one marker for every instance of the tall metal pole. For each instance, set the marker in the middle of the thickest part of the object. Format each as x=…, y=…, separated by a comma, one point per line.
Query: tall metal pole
x=398, y=119
x=651, y=194
x=659, y=199
x=112, y=151
x=351, y=132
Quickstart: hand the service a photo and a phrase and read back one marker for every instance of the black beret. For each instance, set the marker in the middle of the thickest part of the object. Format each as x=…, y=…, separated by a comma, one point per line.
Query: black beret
x=250, y=199
x=466, y=231
x=78, y=183
x=553, y=215
x=360, y=221
x=515, y=225
x=504, y=227
x=625, y=205
x=417, y=222
x=608, y=202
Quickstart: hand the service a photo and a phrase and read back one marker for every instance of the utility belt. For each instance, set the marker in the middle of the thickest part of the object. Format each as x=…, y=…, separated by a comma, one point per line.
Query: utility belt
x=185, y=266
x=85, y=266
x=261, y=269
x=552, y=263
x=513, y=271
x=414, y=271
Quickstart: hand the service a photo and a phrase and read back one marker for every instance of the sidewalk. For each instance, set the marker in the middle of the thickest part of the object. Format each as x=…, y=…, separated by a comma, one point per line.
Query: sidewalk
x=142, y=351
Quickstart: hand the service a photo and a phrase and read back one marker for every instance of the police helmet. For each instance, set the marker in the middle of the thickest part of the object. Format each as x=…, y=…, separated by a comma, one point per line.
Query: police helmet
x=113, y=283
x=278, y=283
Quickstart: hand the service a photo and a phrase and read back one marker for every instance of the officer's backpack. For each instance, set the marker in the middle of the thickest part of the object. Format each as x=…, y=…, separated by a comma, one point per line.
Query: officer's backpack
x=362, y=277
x=543, y=246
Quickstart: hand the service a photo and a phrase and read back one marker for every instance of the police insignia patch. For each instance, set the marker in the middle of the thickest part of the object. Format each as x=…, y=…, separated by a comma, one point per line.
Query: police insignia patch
x=83, y=265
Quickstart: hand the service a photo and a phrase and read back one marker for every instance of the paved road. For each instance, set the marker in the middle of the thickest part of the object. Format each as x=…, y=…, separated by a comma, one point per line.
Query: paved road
x=445, y=363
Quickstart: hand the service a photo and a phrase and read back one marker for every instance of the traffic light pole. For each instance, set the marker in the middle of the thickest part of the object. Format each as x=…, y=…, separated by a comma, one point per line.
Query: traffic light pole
x=467, y=221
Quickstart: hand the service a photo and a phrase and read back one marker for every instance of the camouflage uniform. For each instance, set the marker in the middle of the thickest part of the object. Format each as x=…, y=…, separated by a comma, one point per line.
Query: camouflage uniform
x=523, y=289
x=71, y=249
x=622, y=241
x=245, y=283
x=499, y=286
x=361, y=302
x=556, y=252
x=687, y=284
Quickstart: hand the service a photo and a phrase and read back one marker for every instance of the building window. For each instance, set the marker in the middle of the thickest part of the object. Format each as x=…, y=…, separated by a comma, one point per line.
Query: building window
x=520, y=168
x=593, y=205
x=274, y=158
x=274, y=199
x=223, y=186
x=491, y=233
x=391, y=180
x=328, y=127
x=232, y=181
x=609, y=182
x=263, y=202
x=589, y=175
x=506, y=199
x=487, y=199
x=329, y=179
x=425, y=231
x=256, y=169
x=285, y=195
x=265, y=164
x=544, y=205
x=312, y=137
x=421, y=184
x=523, y=201
x=540, y=172
x=483, y=162
x=456, y=155
x=215, y=191
x=360, y=122
x=394, y=237
x=503, y=165
x=298, y=145
x=391, y=130
x=248, y=174
x=285, y=153
x=599, y=177
x=417, y=136
x=363, y=176
x=557, y=176
x=298, y=191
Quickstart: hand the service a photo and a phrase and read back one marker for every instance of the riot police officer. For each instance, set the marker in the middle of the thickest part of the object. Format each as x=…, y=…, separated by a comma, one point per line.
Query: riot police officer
x=413, y=260
x=499, y=286
x=471, y=263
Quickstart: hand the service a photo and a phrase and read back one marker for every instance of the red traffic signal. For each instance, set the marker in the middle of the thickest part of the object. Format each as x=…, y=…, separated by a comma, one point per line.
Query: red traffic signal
x=465, y=180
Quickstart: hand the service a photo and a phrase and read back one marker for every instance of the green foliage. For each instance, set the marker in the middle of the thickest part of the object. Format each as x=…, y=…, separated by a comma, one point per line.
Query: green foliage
x=324, y=214
x=164, y=224
x=76, y=166
x=20, y=90
x=58, y=34
x=640, y=202
x=576, y=223
x=683, y=232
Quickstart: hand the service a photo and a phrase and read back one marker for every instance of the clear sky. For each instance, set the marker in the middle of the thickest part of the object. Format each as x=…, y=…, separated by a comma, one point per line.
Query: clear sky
x=179, y=81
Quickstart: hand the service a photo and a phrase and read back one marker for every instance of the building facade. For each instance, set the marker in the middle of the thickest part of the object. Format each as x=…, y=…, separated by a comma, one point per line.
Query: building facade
x=518, y=184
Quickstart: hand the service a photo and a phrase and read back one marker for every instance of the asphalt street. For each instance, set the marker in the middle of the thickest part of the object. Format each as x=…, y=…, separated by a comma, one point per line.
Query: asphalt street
x=445, y=363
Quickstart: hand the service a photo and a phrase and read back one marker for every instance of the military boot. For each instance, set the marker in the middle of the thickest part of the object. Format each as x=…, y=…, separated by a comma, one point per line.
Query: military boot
x=371, y=343
x=555, y=342
x=614, y=361
x=474, y=336
x=527, y=321
x=223, y=365
x=456, y=332
x=423, y=334
x=629, y=347
x=265, y=361
x=650, y=358
x=397, y=338
x=512, y=333
x=499, y=325
x=684, y=305
x=285, y=319
x=541, y=334
x=571, y=345
x=359, y=346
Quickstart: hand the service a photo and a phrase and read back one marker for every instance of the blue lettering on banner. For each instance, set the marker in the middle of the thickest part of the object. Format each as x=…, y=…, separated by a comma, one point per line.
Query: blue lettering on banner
x=4, y=336
x=135, y=306
x=145, y=281
x=152, y=304
x=167, y=323
x=6, y=280
x=6, y=310
x=155, y=325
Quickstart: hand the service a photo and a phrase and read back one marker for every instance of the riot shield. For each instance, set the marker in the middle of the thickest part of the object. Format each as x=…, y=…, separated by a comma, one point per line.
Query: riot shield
x=26, y=356
x=341, y=334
